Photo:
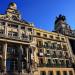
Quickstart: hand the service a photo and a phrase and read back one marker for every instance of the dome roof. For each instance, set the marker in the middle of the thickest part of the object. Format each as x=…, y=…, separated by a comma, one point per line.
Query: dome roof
x=13, y=5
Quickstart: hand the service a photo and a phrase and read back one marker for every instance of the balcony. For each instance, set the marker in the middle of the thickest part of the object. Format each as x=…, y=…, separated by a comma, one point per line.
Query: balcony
x=59, y=47
x=2, y=34
x=64, y=48
x=25, y=38
x=47, y=54
x=62, y=63
x=41, y=65
x=66, y=55
x=56, y=63
x=54, y=55
x=14, y=35
x=60, y=54
x=68, y=63
x=45, y=46
x=39, y=44
x=49, y=63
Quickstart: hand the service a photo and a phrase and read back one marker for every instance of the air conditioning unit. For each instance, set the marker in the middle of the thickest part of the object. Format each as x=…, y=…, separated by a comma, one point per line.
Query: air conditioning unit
x=41, y=54
x=47, y=54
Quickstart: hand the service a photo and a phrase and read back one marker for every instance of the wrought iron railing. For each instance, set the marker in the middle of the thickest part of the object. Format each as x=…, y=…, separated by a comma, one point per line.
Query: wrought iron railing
x=27, y=38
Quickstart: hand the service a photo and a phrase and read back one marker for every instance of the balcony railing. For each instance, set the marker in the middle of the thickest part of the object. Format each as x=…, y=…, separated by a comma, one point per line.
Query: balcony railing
x=41, y=65
x=49, y=65
x=2, y=34
x=13, y=37
x=56, y=65
x=27, y=38
x=39, y=45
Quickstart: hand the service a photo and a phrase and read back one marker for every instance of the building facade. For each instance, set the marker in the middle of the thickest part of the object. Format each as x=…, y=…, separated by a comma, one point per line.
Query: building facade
x=26, y=50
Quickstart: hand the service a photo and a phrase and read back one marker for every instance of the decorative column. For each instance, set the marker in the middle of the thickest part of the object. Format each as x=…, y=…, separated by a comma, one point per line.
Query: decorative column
x=5, y=56
x=20, y=50
x=27, y=56
x=26, y=33
x=32, y=60
x=6, y=30
x=28, y=59
x=19, y=32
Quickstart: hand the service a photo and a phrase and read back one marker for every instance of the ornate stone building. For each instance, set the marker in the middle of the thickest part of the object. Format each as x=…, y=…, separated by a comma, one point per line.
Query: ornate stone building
x=26, y=50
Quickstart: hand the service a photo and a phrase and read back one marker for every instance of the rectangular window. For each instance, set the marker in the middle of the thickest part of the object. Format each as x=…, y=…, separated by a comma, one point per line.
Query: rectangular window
x=1, y=31
x=68, y=64
x=57, y=38
x=45, y=44
x=65, y=73
x=40, y=52
x=54, y=45
x=42, y=73
x=23, y=27
x=24, y=36
x=51, y=36
x=62, y=63
x=12, y=25
x=64, y=47
x=62, y=39
x=50, y=73
x=39, y=43
x=15, y=34
x=56, y=62
x=59, y=47
x=41, y=62
x=9, y=33
x=12, y=34
x=45, y=35
x=38, y=34
x=58, y=73
x=30, y=29
x=2, y=23
x=70, y=73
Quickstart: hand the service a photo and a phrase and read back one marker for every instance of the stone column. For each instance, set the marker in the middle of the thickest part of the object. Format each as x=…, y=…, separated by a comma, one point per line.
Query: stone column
x=27, y=33
x=6, y=30
x=28, y=59
x=20, y=50
x=5, y=56
x=19, y=32
x=27, y=54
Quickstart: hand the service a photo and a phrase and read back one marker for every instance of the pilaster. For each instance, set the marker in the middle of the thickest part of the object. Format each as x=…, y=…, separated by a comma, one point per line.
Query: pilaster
x=5, y=56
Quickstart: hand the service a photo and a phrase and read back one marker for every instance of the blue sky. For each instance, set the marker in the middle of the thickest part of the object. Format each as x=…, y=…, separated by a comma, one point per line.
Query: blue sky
x=43, y=12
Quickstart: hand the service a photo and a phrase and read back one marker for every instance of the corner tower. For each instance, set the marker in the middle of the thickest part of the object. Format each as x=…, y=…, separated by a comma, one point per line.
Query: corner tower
x=12, y=12
x=61, y=26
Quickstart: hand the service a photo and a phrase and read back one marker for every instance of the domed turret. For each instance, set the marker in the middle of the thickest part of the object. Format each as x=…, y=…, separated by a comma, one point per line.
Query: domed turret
x=12, y=12
x=61, y=26
x=13, y=6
